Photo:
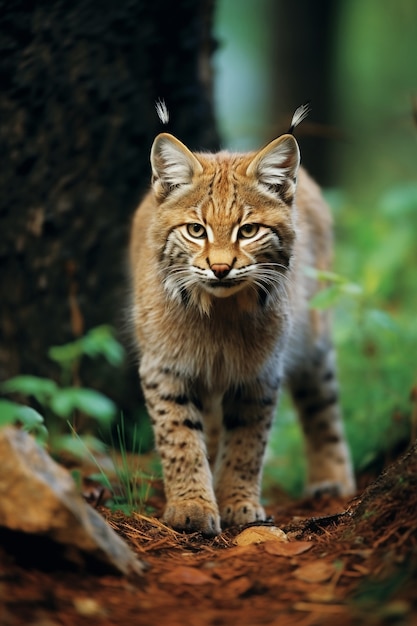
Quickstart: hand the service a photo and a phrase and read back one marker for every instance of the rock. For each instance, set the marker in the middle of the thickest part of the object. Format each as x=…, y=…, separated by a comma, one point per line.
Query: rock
x=39, y=497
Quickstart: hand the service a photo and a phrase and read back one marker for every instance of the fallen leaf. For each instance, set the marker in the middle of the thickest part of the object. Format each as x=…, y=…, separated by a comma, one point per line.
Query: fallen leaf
x=88, y=607
x=260, y=534
x=186, y=576
x=317, y=572
x=290, y=548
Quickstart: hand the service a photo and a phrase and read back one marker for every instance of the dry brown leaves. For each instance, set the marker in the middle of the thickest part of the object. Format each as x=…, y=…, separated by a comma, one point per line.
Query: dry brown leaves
x=329, y=560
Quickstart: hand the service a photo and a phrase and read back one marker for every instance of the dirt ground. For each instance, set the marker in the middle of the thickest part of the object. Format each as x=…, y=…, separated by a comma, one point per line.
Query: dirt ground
x=344, y=562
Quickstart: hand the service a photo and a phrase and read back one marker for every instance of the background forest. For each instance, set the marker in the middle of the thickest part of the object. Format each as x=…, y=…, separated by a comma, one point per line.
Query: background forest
x=78, y=133
x=357, y=64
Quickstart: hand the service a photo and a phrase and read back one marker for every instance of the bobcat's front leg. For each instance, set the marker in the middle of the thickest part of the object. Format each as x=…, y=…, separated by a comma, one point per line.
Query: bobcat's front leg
x=178, y=429
x=247, y=419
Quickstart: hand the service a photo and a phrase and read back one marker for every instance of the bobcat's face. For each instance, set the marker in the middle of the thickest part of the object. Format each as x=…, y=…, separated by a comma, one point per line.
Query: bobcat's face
x=225, y=221
x=227, y=259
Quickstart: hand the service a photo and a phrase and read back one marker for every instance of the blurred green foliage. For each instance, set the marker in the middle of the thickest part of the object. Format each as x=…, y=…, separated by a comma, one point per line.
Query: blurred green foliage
x=375, y=89
x=374, y=289
x=63, y=403
x=61, y=426
x=375, y=333
x=26, y=416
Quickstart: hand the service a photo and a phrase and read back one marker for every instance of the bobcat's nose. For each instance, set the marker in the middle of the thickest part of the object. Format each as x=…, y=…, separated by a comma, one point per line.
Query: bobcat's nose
x=220, y=270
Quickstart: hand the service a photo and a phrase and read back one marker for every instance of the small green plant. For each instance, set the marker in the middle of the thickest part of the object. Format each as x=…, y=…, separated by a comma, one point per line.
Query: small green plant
x=31, y=420
x=62, y=402
x=128, y=483
x=99, y=341
x=135, y=483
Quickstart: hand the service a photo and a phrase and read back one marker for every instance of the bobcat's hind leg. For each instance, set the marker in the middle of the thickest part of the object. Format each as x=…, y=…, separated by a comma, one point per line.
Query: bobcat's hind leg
x=315, y=392
x=212, y=416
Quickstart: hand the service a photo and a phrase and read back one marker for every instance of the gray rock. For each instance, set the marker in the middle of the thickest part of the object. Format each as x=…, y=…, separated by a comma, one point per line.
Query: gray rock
x=38, y=496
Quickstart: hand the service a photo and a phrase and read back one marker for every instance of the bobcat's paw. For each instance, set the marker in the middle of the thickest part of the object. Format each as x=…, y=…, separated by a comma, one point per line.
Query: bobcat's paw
x=243, y=512
x=193, y=516
x=331, y=488
x=330, y=473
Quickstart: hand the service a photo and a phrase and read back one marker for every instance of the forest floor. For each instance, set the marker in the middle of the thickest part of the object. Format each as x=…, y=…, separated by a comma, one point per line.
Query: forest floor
x=344, y=562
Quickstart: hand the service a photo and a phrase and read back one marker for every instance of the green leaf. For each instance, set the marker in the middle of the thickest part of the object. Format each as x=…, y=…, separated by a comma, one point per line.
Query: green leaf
x=30, y=418
x=101, y=341
x=80, y=447
x=339, y=281
x=39, y=388
x=96, y=404
x=8, y=412
x=114, y=352
x=352, y=289
x=62, y=403
x=39, y=431
x=98, y=341
x=324, y=275
x=325, y=298
x=32, y=421
x=66, y=354
x=89, y=401
x=102, y=479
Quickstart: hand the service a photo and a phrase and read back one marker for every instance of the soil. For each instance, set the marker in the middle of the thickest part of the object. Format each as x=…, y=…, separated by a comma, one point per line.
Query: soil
x=344, y=562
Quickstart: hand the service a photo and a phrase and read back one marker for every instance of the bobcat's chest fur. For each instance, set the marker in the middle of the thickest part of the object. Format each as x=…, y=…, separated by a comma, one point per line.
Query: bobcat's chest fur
x=223, y=348
x=218, y=252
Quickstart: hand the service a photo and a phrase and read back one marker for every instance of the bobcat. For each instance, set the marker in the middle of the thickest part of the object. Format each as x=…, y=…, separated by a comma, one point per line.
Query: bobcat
x=218, y=254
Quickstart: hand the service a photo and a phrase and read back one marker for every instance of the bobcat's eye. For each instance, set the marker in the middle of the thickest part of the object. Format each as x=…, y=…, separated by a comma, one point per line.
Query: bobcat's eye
x=197, y=231
x=247, y=231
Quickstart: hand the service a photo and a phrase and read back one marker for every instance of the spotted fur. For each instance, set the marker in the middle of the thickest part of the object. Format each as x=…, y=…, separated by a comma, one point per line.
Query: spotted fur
x=221, y=315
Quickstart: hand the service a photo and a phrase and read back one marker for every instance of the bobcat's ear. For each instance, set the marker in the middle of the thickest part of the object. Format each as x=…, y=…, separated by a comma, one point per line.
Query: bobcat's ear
x=172, y=163
x=277, y=164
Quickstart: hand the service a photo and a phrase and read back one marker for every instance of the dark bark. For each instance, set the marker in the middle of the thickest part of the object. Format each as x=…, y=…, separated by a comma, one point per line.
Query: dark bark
x=303, y=66
x=79, y=81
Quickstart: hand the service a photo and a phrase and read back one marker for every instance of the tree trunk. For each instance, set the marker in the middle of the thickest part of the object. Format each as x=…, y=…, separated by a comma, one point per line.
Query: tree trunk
x=303, y=66
x=79, y=83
